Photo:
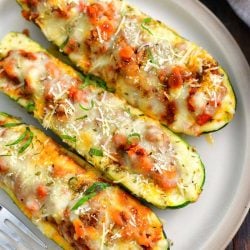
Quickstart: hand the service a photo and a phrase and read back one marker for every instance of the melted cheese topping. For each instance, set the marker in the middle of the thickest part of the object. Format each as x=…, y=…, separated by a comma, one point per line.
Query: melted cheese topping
x=126, y=145
x=95, y=36
x=48, y=183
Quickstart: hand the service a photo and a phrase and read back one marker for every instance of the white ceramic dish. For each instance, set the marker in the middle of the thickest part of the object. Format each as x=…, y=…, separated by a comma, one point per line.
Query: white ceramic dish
x=211, y=222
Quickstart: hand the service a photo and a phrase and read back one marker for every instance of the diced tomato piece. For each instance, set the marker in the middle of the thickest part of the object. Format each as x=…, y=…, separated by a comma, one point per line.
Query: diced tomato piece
x=77, y=95
x=166, y=180
x=94, y=12
x=117, y=218
x=52, y=69
x=171, y=112
x=32, y=205
x=32, y=3
x=71, y=46
x=137, y=150
x=9, y=69
x=107, y=27
x=110, y=11
x=26, y=14
x=62, y=13
x=79, y=228
x=107, y=30
x=126, y=53
x=175, y=79
x=82, y=6
x=190, y=103
x=120, y=140
x=145, y=164
x=3, y=167
x=203, y=118
x=41, y=191
x=26, y=32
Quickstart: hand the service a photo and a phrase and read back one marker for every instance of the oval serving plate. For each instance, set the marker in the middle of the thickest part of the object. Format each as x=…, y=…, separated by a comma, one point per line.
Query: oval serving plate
x=211, y=222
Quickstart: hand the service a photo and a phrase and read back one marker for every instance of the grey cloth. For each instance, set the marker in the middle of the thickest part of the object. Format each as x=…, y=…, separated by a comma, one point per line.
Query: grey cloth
x=242, y=8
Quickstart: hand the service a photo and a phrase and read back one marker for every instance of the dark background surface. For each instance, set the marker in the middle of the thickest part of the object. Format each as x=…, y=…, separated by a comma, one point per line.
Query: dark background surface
x=241, y=33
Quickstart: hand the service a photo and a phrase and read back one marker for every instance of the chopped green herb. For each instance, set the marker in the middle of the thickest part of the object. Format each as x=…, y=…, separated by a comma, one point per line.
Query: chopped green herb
x=28, y=142
x=27, y=133
x=147, y=20
x=49, y=183
x=127, y=110
x=87, y=109
x=69, y=138
x=90, y=193
x=11, y=124
x=30, y=107
x=81, y=117
x=86, y=81
x=19, y=139
x=143, y=25
x=90, y=79
x=95, y=152
x=150, y=56
x=38, y=173
x=133, y=135
x=4, y=114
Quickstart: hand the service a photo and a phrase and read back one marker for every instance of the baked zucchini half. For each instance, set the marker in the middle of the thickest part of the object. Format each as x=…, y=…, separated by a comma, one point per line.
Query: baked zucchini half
x=68, y=199
x=147, y=63
x=130, y=148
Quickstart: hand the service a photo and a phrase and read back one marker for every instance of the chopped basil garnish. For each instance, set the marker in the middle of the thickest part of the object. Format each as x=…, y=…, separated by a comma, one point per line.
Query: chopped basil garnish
x=11, y=124
x=86, y=82
x=69, y=138
x=19, y=139
x=127, y=110
x=95, y=152
x=143, y=25
x=150, y=56
x=90, y=193
x=30, y=107
x=81, y=117
x=26, y=134
x=28, y=142
x=87, y=109
x=134, y=135
x=4, y=114
x=90, y=79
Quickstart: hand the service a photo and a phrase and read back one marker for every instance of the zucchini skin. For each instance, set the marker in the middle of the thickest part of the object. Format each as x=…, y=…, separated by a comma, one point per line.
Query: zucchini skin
x=198, y=121
x=174, y=198
x=84, y=174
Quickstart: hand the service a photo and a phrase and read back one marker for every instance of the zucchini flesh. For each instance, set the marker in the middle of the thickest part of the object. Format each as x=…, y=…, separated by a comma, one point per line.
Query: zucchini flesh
x=128, y=147
x=46, y=182
x=147, y=63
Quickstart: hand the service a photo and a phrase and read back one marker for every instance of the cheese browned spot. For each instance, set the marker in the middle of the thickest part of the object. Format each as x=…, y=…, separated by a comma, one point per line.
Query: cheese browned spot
x=142, y=59
x=47, y=183
x=110, y=134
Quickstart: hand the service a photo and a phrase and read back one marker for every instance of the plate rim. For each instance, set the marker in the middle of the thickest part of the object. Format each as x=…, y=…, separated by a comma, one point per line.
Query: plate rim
x=225, y=231
x=240, y=202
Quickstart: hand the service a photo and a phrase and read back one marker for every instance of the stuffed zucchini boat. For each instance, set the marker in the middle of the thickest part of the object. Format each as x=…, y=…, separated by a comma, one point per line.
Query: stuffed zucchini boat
x=67, y=199
x=147, y=63
x=130, y=148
